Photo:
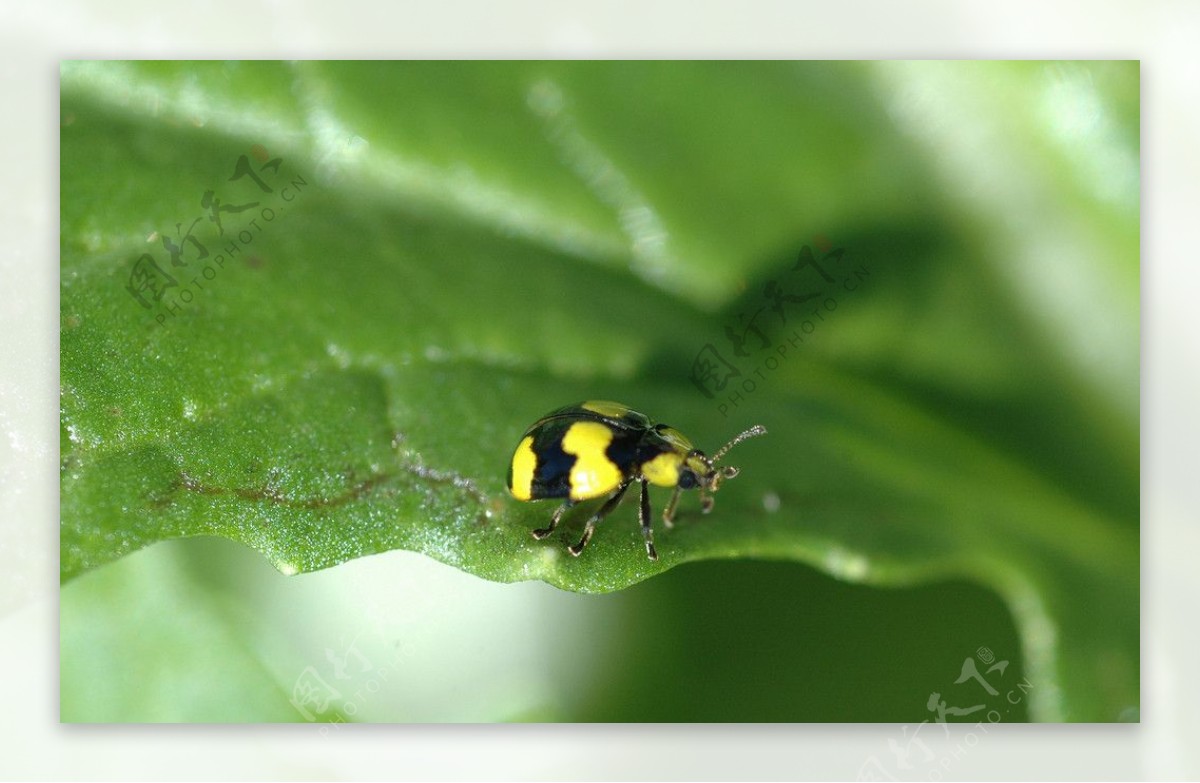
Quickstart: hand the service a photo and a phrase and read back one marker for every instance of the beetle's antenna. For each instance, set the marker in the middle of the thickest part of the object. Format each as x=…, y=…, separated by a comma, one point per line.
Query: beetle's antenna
x=753, y=432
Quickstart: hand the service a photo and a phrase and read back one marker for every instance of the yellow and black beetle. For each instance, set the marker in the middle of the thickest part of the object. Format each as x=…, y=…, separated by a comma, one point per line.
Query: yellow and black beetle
x=595, y=448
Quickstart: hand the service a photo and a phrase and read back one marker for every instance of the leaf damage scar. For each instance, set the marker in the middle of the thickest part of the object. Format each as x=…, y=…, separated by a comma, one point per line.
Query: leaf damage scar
x=356, y=491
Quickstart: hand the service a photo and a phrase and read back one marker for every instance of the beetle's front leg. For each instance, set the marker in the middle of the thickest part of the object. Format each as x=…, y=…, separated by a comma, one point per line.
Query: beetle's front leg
x=669, y=511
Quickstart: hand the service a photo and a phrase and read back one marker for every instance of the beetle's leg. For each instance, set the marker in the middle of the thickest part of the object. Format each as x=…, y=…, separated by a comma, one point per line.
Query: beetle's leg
x=604, y=511
x=541, y=533
x=669, y=511
x=706, y=502
x=644, y=518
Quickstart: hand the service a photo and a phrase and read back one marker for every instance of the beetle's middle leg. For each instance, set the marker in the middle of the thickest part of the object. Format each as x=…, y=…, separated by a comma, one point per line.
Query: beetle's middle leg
x=604, y=511
x=541, y=533
x=644, y=518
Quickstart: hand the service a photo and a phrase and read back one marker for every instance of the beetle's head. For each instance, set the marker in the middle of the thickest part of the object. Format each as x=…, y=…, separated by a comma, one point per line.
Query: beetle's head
x=701, y=471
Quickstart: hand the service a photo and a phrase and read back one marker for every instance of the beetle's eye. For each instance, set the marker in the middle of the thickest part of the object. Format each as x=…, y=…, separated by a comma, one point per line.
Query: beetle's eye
x=687, y=479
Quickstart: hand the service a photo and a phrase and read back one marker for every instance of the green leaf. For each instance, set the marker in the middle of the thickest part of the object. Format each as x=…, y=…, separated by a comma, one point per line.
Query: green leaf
x=448, y=251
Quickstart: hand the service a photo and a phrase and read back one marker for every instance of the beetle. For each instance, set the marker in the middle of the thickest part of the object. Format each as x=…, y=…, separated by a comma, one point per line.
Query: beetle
x=597, y=448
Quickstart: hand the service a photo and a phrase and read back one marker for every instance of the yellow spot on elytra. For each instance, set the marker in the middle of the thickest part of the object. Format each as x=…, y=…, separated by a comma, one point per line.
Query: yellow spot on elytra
x=663, y=470
x=593, y=473
x=523, y=463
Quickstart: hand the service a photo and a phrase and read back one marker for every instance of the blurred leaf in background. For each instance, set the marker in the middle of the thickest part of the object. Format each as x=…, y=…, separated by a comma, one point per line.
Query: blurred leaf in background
x=310, y=307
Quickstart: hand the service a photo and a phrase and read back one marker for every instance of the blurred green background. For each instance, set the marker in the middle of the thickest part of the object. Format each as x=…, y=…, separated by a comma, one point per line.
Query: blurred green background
x=455, y=248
